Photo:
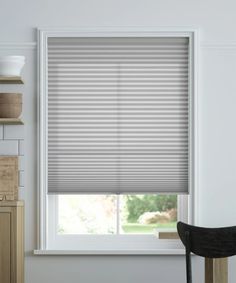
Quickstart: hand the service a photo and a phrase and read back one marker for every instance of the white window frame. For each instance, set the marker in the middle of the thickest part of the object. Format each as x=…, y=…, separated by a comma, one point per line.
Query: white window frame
x=155, y=246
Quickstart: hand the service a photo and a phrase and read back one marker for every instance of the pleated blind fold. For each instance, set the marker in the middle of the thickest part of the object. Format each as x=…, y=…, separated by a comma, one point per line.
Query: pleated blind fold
x=118, y=115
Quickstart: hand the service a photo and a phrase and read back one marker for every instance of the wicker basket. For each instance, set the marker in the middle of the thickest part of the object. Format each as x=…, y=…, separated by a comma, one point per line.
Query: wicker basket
x=10, y=105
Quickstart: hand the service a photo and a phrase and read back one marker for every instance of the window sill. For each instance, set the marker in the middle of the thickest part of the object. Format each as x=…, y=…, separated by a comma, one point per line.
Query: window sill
x=111, y=252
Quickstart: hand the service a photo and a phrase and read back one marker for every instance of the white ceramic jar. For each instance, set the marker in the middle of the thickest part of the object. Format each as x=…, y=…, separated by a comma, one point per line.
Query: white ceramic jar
x=11, y=66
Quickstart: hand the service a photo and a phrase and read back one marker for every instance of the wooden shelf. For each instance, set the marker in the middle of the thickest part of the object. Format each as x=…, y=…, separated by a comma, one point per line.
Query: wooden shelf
x=11, y=80
x=11, y=121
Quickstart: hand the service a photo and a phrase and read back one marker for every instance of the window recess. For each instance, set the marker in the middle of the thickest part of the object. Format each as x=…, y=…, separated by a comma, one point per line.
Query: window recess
x=117, y=120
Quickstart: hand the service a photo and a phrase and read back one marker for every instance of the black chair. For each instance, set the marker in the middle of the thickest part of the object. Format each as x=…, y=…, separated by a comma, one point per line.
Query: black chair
x=206, y=242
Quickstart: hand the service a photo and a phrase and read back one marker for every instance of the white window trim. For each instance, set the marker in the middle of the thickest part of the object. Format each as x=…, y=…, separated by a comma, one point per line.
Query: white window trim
x=168, y=246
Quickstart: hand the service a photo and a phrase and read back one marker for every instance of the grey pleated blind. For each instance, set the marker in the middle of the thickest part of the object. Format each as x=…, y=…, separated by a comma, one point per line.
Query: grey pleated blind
x=118, y=115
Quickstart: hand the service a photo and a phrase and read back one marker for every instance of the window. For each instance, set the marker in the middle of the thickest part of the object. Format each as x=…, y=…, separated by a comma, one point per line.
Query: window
x=116, y=140
x=112, y=214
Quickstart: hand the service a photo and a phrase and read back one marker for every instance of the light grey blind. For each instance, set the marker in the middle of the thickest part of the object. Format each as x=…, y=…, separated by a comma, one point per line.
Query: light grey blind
x=118, y=115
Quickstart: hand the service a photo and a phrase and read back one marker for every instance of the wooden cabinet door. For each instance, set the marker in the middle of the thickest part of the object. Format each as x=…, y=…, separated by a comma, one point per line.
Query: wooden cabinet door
x=11, y=242
x=5, y=247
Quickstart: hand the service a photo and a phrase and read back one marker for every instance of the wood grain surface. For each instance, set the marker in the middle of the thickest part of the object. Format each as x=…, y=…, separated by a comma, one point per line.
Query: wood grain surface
x=8, y=178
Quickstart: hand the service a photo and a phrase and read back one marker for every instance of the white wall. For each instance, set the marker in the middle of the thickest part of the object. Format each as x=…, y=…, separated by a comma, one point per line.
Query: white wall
x=217, y=100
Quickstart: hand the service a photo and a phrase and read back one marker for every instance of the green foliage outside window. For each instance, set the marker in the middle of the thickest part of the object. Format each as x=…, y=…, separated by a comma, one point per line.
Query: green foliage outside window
x=136, y=205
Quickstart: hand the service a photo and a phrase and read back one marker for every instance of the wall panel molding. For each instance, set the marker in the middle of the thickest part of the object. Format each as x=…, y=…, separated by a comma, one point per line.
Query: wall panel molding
x=218, y=45
x=18, y=45
x=32, y=45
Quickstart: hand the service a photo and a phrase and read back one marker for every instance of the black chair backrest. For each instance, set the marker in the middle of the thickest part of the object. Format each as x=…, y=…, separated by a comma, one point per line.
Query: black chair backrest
x=208, y=242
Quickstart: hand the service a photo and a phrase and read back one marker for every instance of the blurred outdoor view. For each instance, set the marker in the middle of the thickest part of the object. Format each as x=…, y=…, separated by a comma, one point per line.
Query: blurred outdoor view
x=112, y=214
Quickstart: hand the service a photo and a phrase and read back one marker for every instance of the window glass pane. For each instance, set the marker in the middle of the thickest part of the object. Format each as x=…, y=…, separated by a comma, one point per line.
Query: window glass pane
x=97, y=214
x=143, y=214
x=86, y=214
